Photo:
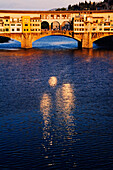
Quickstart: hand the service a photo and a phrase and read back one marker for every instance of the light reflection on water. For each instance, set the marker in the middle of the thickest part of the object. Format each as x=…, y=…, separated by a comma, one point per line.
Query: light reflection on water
x=56, y=109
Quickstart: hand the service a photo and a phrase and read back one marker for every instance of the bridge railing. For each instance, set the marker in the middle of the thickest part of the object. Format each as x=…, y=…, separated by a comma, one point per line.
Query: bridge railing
x=57, y=31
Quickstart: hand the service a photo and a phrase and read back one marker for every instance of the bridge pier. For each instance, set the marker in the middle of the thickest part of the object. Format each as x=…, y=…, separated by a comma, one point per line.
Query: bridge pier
x=26, y=40
x=87, y=41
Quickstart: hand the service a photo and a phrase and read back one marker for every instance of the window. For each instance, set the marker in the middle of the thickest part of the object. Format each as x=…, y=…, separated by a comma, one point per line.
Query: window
x=7, y=29
x=106, y=29
x=26, y=24
x=18, y=24
x=6, y=20
x=12, y=24
x=18, y=29
x=13, y=29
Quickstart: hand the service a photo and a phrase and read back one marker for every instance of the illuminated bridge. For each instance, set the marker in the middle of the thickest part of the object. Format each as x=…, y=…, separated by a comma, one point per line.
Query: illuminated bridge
x=84, y=26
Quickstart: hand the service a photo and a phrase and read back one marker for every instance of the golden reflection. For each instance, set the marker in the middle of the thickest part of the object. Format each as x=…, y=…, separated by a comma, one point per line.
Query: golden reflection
x=65, y=98
x=52, y=81
x=45, y=104
x=65, y=103
x=45, y=107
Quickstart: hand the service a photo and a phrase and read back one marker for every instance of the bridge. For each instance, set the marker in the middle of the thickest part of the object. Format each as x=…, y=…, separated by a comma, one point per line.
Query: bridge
x=84, y=26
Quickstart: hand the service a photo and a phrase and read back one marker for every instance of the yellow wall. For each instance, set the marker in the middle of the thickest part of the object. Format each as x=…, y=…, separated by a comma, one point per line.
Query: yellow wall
x=26, y=24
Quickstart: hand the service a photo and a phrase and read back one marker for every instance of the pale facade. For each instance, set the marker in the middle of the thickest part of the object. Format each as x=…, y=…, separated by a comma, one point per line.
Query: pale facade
x=15, y=25
x=30, y=21
x=91, y=23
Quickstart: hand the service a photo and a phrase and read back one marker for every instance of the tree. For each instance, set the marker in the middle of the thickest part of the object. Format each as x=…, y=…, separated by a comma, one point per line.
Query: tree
x=69, y=7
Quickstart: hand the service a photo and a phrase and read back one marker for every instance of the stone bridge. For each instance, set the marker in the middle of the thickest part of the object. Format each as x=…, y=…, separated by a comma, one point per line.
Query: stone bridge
x=85, y=40
x=84, y=26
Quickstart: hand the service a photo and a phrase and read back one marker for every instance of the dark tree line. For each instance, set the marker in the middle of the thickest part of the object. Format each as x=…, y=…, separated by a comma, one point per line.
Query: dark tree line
x=106, y=4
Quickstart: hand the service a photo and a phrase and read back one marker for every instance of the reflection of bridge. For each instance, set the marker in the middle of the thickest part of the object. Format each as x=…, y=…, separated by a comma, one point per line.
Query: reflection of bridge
x=83, y=26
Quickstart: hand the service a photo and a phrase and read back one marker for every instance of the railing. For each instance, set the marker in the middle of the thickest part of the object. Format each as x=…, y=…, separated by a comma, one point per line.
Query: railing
x=52, y=32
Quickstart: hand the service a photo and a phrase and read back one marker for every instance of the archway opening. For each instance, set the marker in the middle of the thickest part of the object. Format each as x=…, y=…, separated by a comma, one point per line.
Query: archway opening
x=45, y=25
x=66, y=25
x=55, y=25
x=105, y=42
x=9, y=43
x=4, y=39
x=55, y=42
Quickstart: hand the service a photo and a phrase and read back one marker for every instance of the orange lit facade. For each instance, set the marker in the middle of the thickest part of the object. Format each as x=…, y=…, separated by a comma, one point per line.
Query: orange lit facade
x=90, y=23
x=84, y=26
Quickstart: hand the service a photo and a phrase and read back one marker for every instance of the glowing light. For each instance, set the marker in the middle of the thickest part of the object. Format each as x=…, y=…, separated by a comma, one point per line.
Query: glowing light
x=45, y=105
x=52, y=81
x=65, y=98
x=65, y=104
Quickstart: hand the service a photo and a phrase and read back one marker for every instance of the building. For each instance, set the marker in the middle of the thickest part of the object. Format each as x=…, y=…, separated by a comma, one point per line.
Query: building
x=90, y=23
x=35, y=25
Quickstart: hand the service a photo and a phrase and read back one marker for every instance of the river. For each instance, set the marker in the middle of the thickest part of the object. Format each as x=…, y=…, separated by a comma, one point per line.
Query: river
x=56, y=106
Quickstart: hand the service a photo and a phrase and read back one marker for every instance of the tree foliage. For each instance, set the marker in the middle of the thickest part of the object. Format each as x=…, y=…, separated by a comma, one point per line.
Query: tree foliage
x=88, y=6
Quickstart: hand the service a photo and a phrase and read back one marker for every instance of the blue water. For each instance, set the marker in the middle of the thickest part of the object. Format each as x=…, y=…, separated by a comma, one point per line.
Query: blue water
x=56, y=108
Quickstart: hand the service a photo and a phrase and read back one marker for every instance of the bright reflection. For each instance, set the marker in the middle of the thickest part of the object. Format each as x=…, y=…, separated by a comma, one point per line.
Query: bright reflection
x=45, y=107
x=65, y=98
x=52, y=81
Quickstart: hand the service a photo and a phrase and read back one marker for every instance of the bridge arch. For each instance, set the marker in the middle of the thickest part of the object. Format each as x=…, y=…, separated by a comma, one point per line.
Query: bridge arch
x=104, y=40
x=101, y=37
x=13, y=36
x=66, y=25
x=55, y=25
x=77, y=41
x=45, y=25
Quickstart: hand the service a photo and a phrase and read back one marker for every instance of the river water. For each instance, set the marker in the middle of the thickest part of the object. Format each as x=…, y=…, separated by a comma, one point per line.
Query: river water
x=56, y=106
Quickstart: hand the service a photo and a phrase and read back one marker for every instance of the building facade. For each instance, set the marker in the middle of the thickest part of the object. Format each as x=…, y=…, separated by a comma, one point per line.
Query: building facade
x=91, y=23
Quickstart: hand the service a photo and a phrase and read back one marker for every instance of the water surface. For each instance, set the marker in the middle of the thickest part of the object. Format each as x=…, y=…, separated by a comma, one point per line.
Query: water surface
x=56, y=107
